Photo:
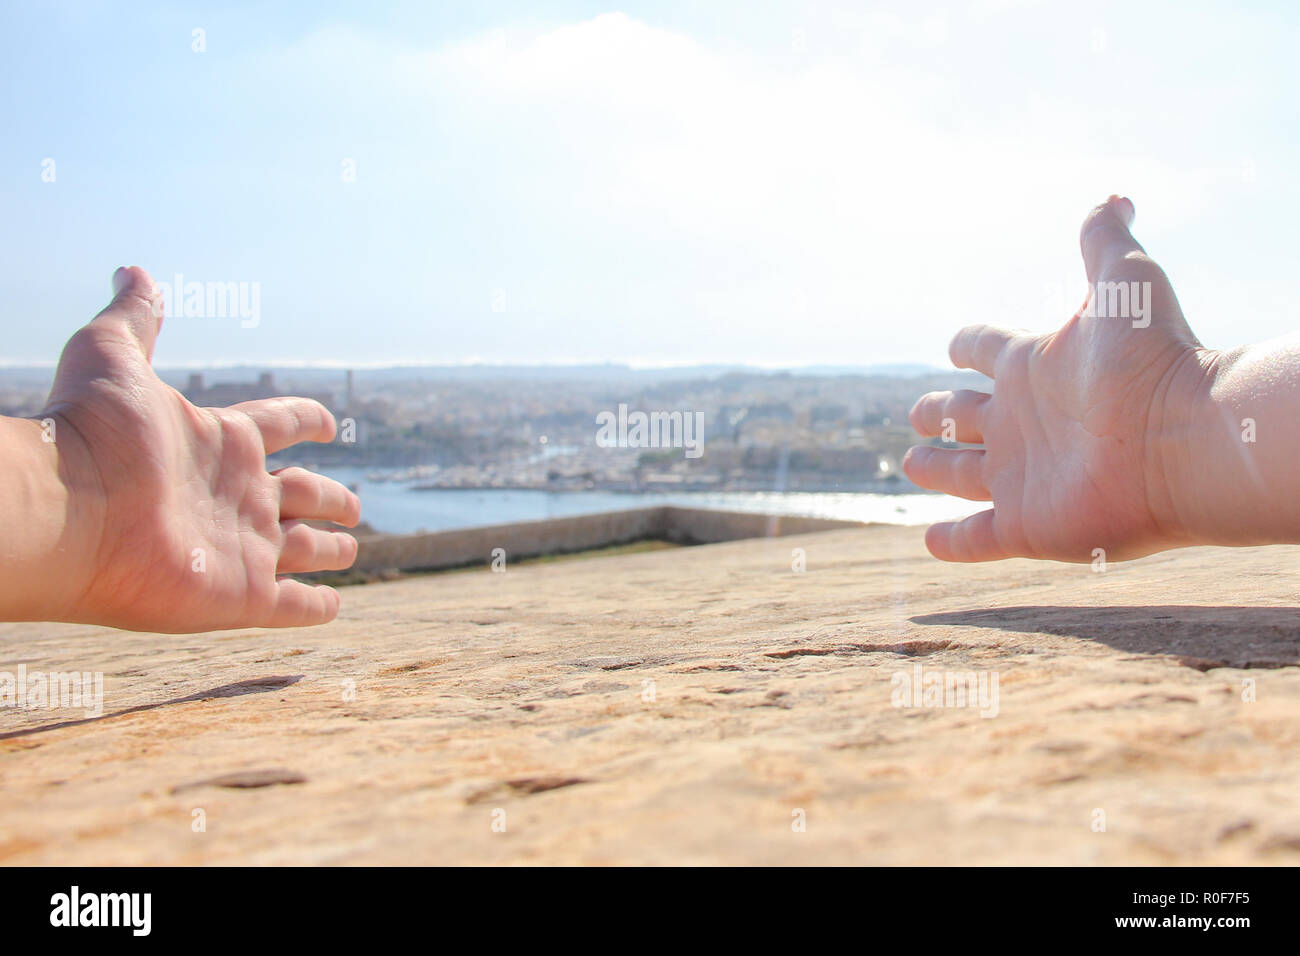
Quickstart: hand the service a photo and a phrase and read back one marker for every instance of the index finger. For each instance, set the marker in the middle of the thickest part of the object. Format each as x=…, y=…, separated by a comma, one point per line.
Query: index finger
x=287, y=421
x=978, y=347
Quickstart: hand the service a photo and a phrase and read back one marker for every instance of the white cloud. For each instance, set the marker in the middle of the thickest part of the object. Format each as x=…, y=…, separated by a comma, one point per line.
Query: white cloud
x=829, y=205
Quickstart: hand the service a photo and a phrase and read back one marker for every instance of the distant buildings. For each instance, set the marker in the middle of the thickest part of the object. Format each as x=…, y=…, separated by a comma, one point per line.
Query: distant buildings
x=220, y=394
x=762, y=432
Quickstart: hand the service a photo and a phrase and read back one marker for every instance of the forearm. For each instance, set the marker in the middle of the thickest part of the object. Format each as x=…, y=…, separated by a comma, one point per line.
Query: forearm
x=1232, y=456
x=43, y=556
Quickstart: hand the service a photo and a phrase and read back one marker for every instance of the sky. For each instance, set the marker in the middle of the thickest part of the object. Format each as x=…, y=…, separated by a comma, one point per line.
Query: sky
x=670, y=183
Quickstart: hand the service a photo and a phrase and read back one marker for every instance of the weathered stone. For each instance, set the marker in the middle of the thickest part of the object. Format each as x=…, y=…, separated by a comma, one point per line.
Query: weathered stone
x=1161, y=697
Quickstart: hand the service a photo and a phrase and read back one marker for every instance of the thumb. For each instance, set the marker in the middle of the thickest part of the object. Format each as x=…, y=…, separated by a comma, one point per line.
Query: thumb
x=137, y=307
x=1105, y=238
x=1123, y=281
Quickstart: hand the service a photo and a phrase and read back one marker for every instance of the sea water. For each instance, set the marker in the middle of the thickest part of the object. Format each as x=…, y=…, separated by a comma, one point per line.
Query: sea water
x=397, y=508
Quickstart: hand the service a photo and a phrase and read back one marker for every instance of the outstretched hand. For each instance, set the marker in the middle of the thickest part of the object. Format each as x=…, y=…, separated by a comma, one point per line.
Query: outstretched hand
x=174, y=521
x=1076, y=430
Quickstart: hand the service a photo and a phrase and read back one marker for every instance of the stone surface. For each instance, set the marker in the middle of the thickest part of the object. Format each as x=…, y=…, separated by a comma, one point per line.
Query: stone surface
x=483, y=697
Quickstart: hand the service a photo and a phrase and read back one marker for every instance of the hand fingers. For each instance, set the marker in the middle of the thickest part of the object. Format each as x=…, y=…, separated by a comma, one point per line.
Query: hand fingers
x=137, y=307
x=971, y=539
x=952, y=416
x=978, y=347
x=1105, y=238
x=302, y=605
x=304, y=494
x=287, y=421
x=304, y=548
x=954, y=471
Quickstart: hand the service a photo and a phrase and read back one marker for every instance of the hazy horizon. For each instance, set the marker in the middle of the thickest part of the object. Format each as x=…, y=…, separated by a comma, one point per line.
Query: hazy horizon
x=886, y=368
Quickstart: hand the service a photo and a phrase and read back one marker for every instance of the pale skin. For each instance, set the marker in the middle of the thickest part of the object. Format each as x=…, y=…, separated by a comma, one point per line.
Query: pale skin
x=1098, y=436
x=125, y=505
x=1102, y=435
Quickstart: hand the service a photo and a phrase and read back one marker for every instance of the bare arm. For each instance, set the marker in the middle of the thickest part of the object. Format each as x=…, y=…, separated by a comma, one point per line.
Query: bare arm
x=44, y=555
x=1233, y=451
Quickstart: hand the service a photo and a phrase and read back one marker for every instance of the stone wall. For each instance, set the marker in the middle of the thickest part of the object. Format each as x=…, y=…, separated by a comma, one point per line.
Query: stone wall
x=528, y=539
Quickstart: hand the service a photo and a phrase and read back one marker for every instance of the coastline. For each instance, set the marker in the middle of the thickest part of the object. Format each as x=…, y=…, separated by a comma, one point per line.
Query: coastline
x=394, y=508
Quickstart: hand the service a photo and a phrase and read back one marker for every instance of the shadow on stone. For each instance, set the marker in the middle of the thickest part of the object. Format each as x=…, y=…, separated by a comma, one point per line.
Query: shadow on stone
x=1202, y=637
x=256, y=685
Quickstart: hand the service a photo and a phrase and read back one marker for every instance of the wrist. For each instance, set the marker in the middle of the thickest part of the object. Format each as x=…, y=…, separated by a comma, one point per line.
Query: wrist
x=1229, y=467
x=1184, y=423
x=50, y=506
